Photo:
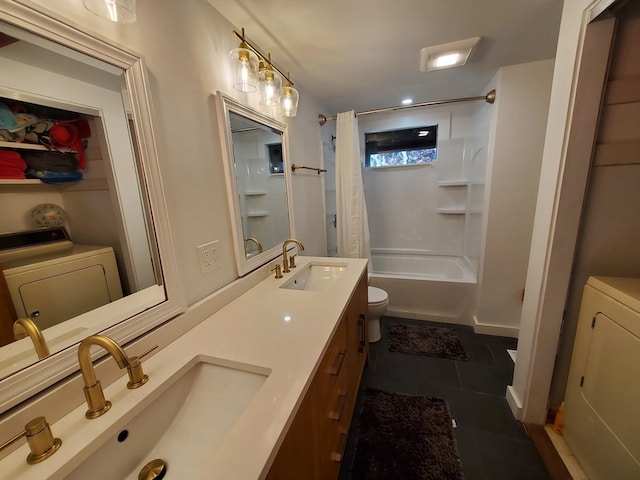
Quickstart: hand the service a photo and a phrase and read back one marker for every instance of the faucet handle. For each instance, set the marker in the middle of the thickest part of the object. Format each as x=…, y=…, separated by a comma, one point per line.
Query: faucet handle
x=292, y=261
x=278, y=271
x=137, y=377
x=40, y=440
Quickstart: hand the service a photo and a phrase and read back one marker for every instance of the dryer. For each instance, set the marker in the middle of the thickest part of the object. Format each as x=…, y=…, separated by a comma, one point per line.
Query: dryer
x=51, y=282
x=602, y=403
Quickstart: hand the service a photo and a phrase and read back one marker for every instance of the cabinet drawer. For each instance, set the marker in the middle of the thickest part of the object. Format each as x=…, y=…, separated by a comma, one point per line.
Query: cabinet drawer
x=334, y=364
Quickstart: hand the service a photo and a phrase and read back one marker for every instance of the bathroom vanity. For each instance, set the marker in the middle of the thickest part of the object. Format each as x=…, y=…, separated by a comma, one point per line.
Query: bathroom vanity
x=263, y=389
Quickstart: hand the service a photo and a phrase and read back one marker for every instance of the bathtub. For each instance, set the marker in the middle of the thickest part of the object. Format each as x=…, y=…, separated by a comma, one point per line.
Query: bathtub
x=424, y=286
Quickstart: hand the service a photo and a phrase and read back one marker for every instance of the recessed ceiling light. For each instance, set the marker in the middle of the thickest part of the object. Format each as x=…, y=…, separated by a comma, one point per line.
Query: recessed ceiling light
x=447, y=60
x=407, y=101
x=446, y=55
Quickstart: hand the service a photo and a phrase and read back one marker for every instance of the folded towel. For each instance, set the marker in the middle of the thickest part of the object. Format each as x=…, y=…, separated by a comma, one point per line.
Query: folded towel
x=12, y=166
x=55, y=178
x=52, y=161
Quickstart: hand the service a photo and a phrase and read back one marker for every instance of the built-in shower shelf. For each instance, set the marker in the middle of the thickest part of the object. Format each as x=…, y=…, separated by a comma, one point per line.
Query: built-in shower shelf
x=257, y=214
x=453, y=183
x=251, y=193
x=452, y=211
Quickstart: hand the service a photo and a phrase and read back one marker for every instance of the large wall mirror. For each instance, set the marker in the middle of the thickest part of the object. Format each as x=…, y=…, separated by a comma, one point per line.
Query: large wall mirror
x=80, y=252
x=258, y=182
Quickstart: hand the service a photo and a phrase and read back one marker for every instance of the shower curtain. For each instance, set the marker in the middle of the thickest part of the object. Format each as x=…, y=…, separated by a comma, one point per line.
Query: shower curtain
x=352, y=222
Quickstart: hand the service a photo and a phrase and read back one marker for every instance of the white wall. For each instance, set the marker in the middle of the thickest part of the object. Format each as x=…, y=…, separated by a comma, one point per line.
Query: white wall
x=511, y=187
x=185, y=45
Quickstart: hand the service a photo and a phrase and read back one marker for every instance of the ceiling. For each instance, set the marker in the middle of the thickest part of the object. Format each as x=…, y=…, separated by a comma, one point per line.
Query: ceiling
x=365, y=54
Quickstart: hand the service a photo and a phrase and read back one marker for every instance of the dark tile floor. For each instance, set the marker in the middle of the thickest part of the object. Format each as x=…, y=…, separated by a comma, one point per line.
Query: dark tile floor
x=492, y=444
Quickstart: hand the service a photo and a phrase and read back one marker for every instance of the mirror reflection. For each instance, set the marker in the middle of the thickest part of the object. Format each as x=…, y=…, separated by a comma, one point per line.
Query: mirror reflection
x=257, y=179
x=260, y=179
x=75, y=239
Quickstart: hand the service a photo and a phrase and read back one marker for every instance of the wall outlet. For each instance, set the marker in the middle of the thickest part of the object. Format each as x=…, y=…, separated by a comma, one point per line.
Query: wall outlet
x=208, y=257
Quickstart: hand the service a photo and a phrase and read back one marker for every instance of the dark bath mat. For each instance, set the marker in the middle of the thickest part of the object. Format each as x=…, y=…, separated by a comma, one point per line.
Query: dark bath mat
x=438, y=342
x=405, y=437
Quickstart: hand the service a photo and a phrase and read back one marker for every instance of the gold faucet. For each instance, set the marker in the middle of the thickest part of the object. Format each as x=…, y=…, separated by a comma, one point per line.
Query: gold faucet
x=25, y=326
x=92, y=388
x=285, y=261
x=254, y=240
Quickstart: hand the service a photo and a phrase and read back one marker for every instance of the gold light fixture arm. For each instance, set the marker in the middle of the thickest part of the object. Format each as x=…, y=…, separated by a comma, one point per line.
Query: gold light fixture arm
x=261, y=56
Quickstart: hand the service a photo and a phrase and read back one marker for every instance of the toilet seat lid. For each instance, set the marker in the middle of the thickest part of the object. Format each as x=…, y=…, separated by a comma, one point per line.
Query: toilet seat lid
x=377, y=295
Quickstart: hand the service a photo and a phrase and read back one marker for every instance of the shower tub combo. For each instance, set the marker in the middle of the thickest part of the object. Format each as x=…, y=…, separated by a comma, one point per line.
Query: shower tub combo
x=424, y=286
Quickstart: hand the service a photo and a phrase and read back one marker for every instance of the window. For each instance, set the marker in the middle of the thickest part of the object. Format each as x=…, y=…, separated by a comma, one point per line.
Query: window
x=276, y=163
x=411, y=146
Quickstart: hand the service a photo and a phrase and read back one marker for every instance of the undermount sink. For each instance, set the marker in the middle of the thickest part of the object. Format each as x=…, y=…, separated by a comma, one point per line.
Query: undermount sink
x=181, y=426
x=315, y=277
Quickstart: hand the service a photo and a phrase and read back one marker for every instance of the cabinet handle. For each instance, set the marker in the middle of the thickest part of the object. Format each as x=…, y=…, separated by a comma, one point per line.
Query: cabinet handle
x=362, y=333
x=338, y=363
x=339, y=455
x=338, y=412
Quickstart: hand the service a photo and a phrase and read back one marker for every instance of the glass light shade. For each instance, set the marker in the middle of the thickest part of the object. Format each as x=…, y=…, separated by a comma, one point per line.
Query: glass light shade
x=245, y=65
x=289, y=101
x=119, y=11
x=269, y=85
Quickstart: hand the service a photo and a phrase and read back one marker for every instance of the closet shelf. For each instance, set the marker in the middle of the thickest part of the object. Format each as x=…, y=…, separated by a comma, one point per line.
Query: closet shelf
x=23, y=146
x=88, y=184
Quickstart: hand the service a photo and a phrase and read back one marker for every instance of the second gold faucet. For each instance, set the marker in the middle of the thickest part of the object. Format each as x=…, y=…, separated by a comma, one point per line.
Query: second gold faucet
x=285, y=260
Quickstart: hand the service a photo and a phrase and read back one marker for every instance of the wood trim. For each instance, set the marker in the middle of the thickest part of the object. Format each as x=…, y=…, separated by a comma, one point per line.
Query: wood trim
x=627, y=153
x=623, y=90
x=550, y=456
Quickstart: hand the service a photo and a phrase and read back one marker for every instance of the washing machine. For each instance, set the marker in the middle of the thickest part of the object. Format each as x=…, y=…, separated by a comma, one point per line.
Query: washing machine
x=602, y=402
x=51, y=279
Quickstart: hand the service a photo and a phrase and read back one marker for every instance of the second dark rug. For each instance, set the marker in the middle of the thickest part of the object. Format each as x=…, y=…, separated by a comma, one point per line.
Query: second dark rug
x=441, y=342
x=405, y=437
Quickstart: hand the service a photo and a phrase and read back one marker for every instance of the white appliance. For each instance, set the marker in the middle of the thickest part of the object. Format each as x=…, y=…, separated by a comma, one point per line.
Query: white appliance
x=602, y=402
x=55, y=281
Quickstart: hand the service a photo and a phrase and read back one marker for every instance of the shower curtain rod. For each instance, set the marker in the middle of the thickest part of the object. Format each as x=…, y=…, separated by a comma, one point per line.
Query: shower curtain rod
x=489, y=98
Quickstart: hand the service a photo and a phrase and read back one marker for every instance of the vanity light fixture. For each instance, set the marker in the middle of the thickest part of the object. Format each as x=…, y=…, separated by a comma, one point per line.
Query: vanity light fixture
x=269, y=84
x=245, y=65
x=447, y=55
x=119, y=11
x=289, y=101
x=268, y=78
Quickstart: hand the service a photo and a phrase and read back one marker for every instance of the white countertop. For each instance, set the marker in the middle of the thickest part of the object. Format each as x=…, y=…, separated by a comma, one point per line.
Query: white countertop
x=282, y=330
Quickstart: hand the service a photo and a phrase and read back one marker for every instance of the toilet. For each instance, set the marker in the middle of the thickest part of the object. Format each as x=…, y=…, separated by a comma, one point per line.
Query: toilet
x=378, y=301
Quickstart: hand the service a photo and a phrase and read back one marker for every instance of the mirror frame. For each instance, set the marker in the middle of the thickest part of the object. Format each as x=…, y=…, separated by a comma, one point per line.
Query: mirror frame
x=128, y=324
x=224, y=106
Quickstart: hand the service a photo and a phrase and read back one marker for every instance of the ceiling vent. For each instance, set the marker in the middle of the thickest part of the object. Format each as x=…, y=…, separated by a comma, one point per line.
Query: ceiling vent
x=447, y=55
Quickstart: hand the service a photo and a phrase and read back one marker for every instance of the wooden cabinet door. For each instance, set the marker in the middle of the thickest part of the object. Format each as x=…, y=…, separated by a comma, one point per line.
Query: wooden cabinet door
x=357, y=334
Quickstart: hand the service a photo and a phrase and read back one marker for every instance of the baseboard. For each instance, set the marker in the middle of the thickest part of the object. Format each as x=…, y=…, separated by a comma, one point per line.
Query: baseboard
x=514, y=402
x=391, y=312
x=497, y=330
